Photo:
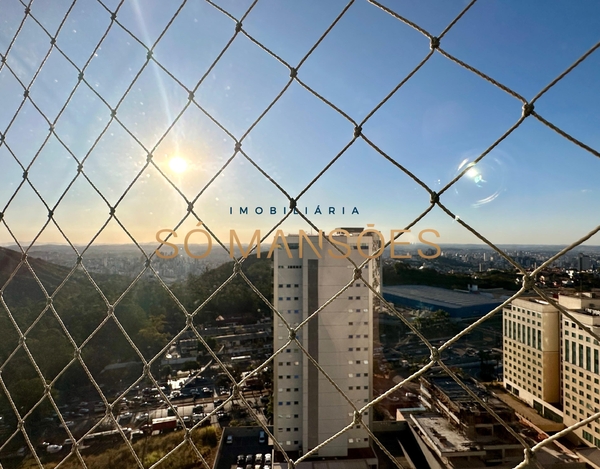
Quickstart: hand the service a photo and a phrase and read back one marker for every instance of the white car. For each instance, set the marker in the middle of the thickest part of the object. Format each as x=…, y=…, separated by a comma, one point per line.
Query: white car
x=53, y=448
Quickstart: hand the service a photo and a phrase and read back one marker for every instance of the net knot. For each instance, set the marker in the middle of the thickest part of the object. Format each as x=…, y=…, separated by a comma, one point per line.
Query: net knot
x=435, y=198
x=528, y=282
x=528, y=109
x=434, y=43
x=357, y=131
x=529, y=455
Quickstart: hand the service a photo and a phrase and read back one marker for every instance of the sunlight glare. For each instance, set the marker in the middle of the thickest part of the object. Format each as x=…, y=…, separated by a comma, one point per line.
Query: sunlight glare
x=178, y=164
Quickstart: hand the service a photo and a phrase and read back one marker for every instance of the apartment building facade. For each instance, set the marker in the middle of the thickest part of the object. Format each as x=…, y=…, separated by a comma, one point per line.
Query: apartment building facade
x=308, y=409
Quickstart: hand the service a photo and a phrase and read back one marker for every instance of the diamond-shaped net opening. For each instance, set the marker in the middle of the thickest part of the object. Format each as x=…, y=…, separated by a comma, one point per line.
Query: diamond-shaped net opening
x=95, y=99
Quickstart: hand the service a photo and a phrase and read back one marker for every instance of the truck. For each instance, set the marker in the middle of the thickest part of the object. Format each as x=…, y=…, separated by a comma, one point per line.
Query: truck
x=163, y=424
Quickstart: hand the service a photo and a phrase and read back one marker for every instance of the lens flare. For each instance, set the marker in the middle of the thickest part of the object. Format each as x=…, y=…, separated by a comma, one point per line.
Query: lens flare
x=482, y=182
x=177, y=164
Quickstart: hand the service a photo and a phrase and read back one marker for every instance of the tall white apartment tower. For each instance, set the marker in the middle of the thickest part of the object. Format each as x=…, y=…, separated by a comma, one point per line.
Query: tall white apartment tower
x=307, y=408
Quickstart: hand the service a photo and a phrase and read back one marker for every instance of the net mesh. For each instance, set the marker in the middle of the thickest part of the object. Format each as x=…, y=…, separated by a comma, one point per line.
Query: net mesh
x=436, y=199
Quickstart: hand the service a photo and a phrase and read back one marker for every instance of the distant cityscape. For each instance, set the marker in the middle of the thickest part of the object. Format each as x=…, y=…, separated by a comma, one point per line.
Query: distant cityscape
x=127, y=260
x=519, y=362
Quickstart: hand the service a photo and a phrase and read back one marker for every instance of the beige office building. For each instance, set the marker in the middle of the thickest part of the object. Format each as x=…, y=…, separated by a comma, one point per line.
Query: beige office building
x=532, y=352
x=580, y=365
x=551, y=363
x=307, y=408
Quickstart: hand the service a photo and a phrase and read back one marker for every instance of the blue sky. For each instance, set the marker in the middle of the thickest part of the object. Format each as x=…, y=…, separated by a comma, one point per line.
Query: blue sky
x=534, y=188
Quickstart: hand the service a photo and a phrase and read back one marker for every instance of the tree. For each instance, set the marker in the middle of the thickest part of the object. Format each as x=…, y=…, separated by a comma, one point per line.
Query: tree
x=166, y=371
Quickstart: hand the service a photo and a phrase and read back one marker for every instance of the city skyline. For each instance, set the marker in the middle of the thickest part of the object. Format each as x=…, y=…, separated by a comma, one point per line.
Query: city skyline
x=434, y=125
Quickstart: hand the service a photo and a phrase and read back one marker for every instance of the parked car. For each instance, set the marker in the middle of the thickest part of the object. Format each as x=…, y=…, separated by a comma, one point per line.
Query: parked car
x=229, y=439
x=198, y=409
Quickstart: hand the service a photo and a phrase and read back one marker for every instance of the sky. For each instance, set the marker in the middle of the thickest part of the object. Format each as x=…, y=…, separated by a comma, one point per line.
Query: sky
x=535, y=187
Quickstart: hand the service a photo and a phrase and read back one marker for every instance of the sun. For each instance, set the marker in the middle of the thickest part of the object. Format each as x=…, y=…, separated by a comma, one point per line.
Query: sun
x=177, y=164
